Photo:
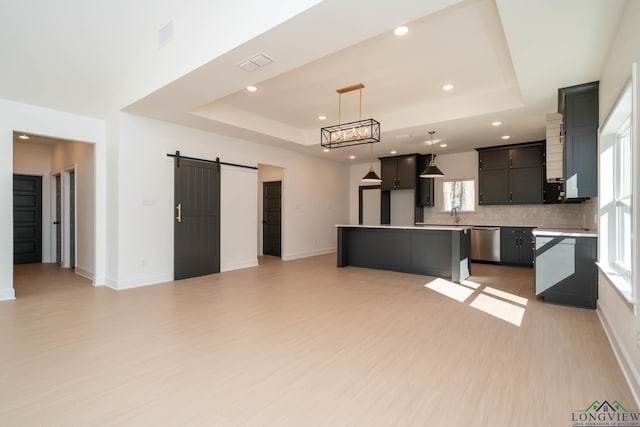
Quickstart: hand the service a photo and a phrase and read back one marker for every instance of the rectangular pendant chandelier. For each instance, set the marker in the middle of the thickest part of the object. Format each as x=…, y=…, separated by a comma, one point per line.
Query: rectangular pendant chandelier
x=348, y=134
x=353, y=133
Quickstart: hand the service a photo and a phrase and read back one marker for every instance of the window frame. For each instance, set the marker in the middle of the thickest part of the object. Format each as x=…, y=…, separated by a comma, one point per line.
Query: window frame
x=472, y=203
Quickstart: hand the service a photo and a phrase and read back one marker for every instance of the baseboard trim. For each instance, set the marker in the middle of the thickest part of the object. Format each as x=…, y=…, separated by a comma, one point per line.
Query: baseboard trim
x=624, y=360
x=7, y=294
x=84, y=273
x=306, y=254
x=119, y=285
x=239, y=265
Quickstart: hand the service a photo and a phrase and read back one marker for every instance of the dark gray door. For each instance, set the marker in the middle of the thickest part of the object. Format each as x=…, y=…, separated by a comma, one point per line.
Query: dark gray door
x=197, y=219
x=72, y=219
x=27, y=219
x=271, y=218
x=58, y=218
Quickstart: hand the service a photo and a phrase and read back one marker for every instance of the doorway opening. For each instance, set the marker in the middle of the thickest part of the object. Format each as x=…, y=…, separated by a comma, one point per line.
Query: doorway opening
x=66, y=171
x=270, y=210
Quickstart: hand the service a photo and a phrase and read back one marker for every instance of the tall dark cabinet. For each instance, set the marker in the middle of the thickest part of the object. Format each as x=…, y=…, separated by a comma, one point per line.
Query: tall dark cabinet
x=425, y=186
x=579, y=108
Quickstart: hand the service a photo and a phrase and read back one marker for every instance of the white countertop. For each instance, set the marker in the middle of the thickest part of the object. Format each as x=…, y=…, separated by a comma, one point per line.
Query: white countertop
x=412, y=227
x=564, y=232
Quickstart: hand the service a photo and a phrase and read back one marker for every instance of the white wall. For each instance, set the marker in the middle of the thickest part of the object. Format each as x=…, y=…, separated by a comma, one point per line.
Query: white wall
x=620, y=318
x=314, y=198
x=43, y=121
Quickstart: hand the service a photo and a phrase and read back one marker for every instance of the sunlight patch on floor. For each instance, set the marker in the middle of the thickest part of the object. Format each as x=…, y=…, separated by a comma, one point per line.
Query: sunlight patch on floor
x=501, y=309
x=450, y=289
x=506, y=295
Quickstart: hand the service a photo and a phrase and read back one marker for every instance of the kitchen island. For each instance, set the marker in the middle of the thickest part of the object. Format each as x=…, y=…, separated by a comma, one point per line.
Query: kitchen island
x=440, y=251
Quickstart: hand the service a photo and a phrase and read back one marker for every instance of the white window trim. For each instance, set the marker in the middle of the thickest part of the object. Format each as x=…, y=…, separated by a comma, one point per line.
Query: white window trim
x=626, y=285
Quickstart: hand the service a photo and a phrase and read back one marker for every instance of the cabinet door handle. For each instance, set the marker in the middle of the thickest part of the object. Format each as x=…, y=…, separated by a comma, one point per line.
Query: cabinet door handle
x=179, y=209
x=510, y=197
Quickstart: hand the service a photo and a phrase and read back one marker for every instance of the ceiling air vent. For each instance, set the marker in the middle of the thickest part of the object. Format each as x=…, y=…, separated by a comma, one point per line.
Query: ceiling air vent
x=256, y=61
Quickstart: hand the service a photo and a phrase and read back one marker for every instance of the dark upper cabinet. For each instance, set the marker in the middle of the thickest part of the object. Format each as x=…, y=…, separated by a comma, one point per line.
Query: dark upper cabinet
x=511, y=174
x=526, y=186
x=425, y=188
x=398, y=172
x=493, y=159
x=493, y=187
x=516, y=245
x=526, y=157
x=579, y=108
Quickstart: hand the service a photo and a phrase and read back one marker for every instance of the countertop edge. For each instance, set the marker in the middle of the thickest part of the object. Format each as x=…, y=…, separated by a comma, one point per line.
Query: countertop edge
x=564, y=233
x=409, y=227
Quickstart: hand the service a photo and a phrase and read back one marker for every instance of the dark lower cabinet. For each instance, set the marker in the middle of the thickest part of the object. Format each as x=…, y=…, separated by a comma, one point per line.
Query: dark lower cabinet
x=565, y=270
x=516, y=246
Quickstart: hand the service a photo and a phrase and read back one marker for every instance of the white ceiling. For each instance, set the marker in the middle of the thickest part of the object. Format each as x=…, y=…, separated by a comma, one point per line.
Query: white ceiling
x=506, y=58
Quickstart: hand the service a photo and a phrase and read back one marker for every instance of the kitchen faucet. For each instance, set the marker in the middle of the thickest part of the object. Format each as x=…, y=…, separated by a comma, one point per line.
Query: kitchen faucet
x=454, y=214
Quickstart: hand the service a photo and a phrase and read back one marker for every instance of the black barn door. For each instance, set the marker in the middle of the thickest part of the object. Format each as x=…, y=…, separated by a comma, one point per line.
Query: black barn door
x=197, y=219
x=27, y=219
x=271, y=217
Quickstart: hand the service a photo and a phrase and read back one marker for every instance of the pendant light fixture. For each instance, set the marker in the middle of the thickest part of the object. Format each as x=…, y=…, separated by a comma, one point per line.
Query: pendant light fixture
x=371, y=176
x=432, y=170
x=352, y=133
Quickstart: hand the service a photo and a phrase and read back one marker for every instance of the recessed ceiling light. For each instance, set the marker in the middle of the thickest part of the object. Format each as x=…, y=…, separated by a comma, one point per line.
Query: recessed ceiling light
x=352, y=157
x=393, y=152
x=23, y=136
x=252, y=88
x=322, y=117
x=429, y=142
x=505, y=137
x=326, y=150
x=443, y=145
x=401, y=31
x=496, y=123
x=448, y=86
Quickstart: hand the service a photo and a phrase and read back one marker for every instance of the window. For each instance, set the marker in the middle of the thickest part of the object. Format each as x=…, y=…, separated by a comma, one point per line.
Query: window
x=459, y=195
x=617, y=225
x=623, y=197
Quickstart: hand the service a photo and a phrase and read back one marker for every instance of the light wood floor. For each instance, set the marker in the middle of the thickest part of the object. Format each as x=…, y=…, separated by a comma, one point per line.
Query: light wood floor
x=297, y=343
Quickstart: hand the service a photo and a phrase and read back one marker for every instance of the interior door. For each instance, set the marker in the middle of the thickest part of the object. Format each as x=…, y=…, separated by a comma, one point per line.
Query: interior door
x=197, y=218
x=27, y=219
x=271, y=218
x=72, y=219
x=58, y=218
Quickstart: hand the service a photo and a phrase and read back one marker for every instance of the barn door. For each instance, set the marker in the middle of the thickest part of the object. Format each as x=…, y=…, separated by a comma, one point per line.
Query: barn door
x=197, y=218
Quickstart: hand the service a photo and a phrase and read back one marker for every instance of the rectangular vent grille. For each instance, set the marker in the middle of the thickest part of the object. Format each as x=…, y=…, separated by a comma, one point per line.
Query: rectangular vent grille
x=256, y=61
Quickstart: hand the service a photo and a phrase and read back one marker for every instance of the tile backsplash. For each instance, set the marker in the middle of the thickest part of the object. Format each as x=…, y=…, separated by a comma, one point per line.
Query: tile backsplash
x=570, y=215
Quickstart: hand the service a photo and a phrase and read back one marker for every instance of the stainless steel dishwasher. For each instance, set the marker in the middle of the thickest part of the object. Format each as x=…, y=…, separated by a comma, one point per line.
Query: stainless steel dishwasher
x=485, y=244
